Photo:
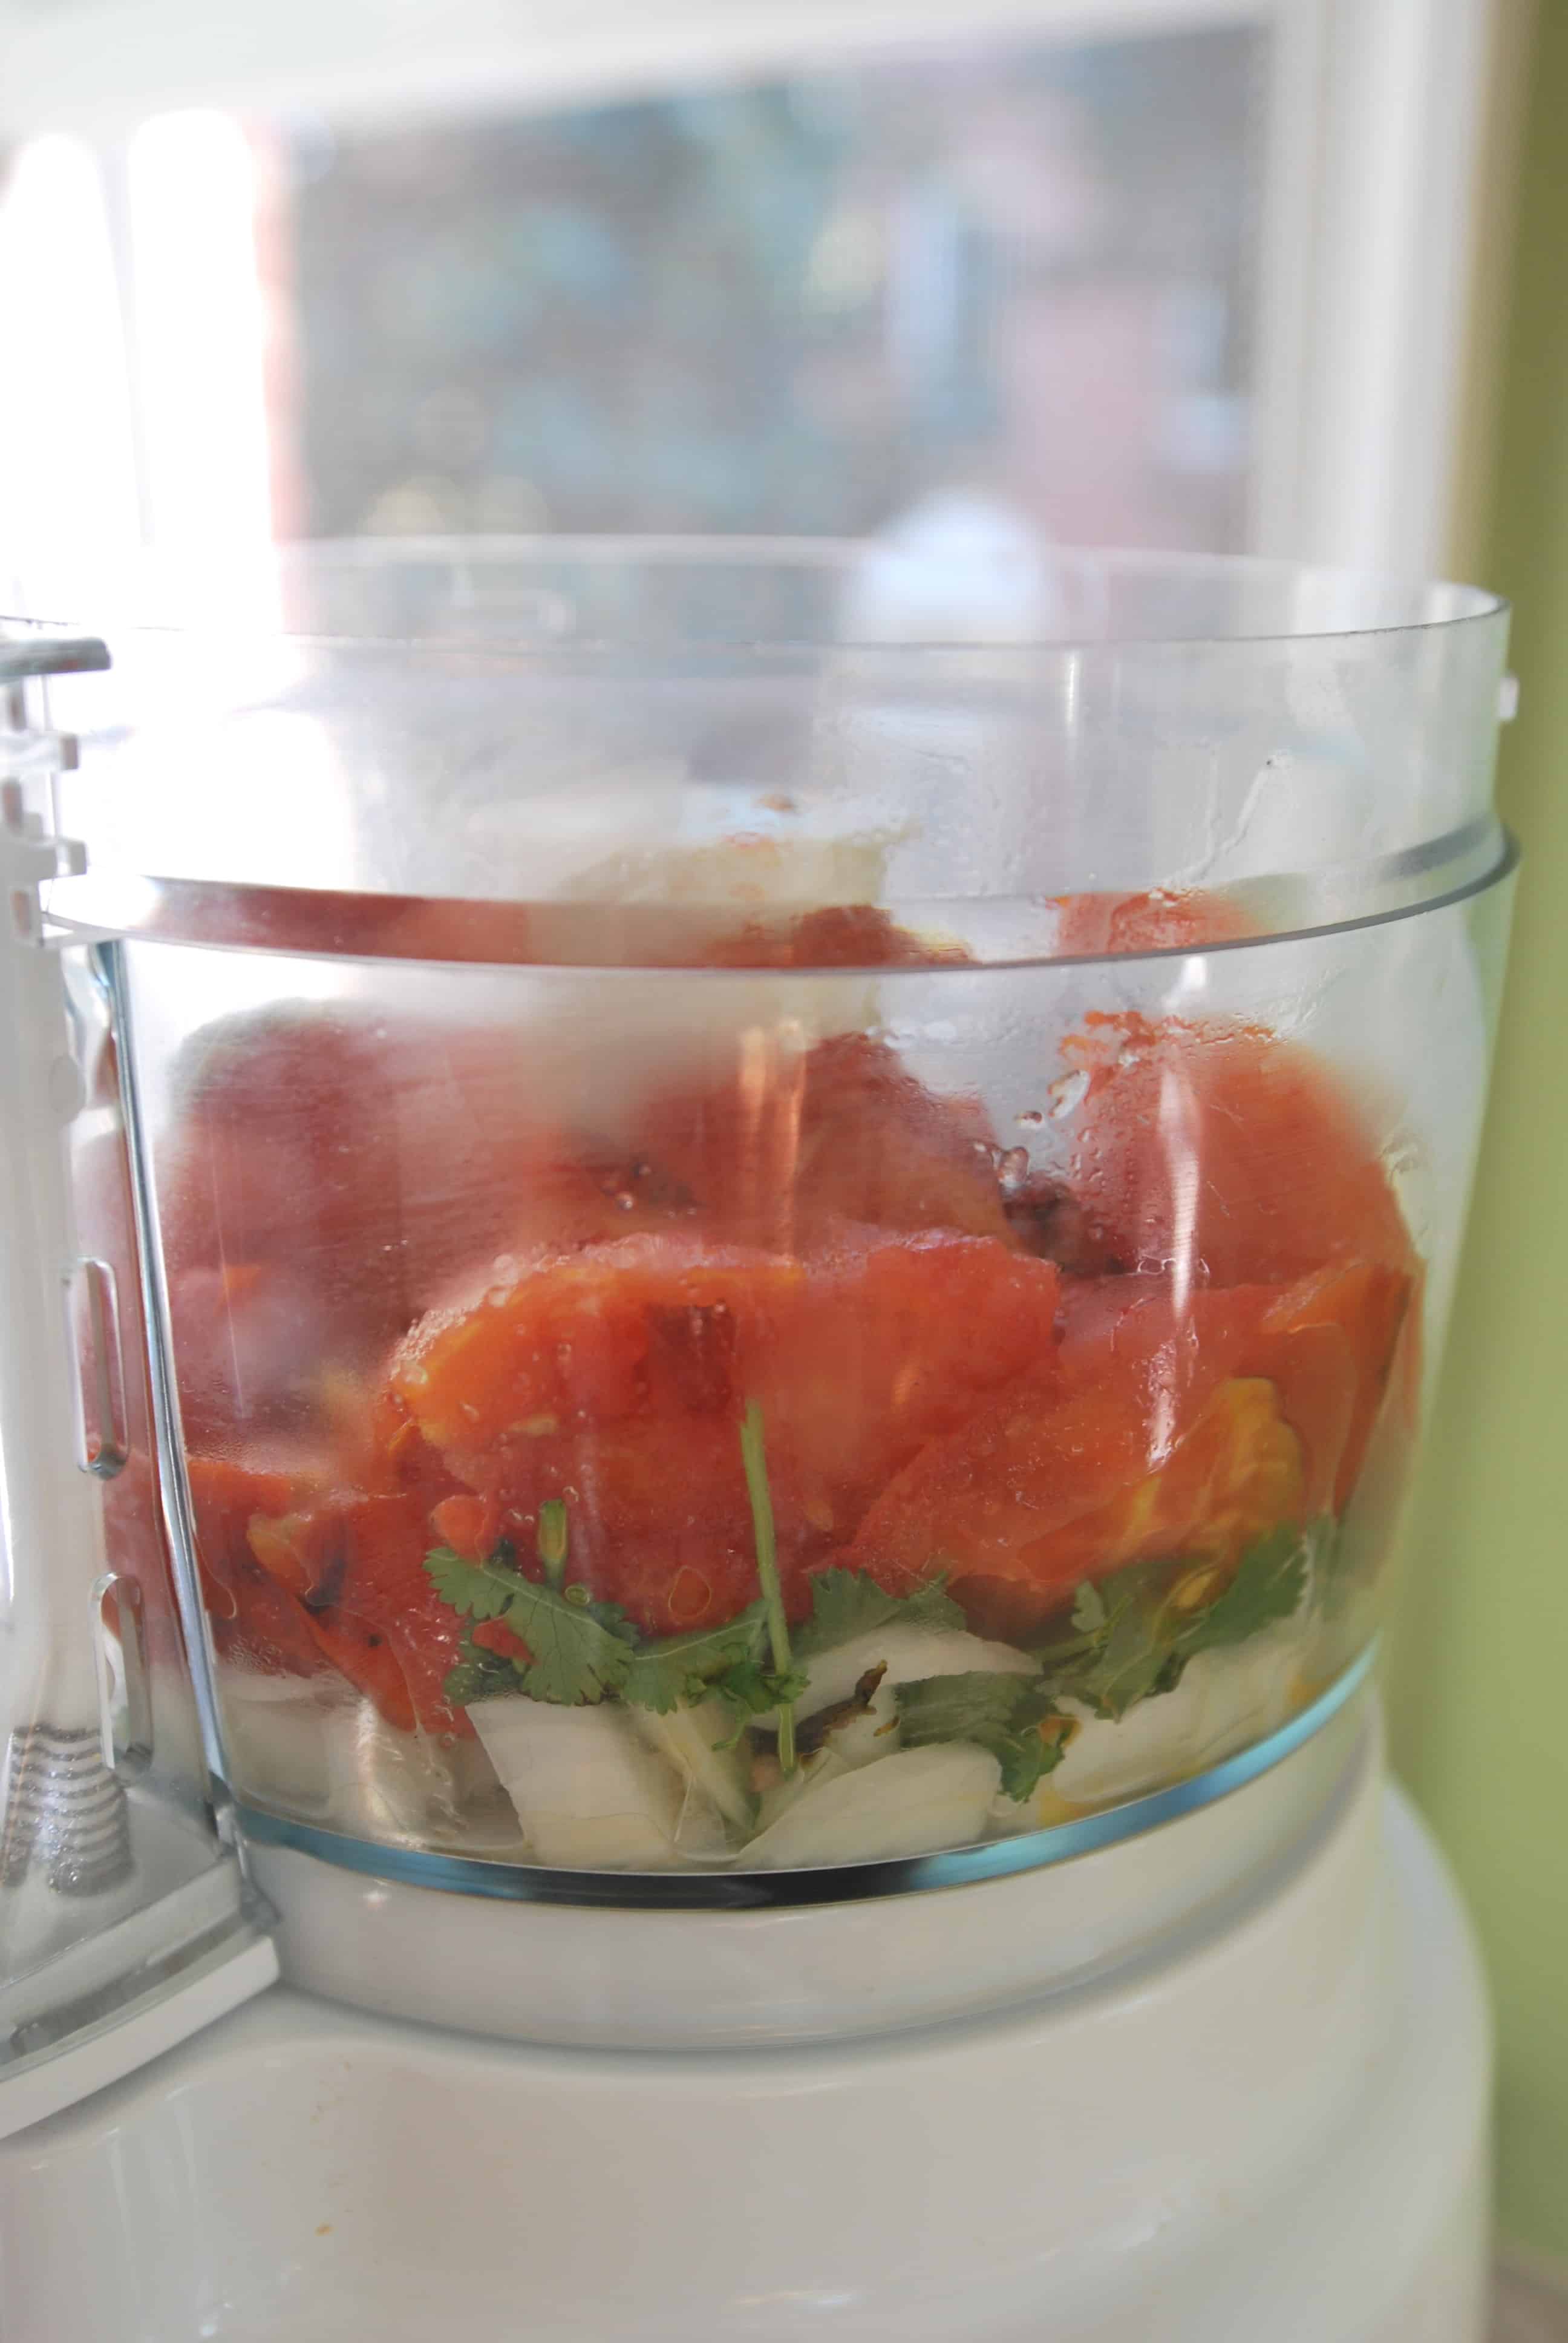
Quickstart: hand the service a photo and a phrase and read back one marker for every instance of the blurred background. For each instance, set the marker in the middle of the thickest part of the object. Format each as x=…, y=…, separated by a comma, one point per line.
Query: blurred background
x=1168, y=273
x=1289, y=276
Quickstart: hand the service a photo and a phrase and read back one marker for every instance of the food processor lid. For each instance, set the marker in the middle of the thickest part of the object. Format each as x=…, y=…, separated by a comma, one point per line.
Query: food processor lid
x=597, y=752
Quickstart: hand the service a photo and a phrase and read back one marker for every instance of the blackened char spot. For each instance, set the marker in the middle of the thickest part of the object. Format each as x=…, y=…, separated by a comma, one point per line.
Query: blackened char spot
x=328, y=1584
x=1049, y=1223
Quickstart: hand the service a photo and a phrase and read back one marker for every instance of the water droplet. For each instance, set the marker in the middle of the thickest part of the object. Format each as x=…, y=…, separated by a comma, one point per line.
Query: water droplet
x=1067, y=1093
x=625, y=1201
x=1030, y=1119
x=1012, y=1170
x=571, y=1495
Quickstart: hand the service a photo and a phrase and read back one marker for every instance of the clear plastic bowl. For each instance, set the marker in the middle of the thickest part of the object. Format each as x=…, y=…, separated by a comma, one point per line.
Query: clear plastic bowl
x=796, y=1212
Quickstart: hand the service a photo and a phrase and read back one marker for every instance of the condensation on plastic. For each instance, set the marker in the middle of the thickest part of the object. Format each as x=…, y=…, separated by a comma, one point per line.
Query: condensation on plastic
x=503, y=722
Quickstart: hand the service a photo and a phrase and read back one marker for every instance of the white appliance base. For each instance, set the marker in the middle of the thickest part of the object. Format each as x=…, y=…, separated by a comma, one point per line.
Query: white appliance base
x=1274, y=2131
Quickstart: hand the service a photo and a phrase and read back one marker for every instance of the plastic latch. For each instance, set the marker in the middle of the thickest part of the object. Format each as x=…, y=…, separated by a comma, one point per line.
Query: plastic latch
x=32, y=753
x=124, y=1698
x=103, y=1431
x=30, y=856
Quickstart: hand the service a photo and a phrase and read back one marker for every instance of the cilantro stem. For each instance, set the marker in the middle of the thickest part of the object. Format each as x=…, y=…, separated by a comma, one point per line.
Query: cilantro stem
x=753, y=1456
x=1070, y=1650
x=552, y=1541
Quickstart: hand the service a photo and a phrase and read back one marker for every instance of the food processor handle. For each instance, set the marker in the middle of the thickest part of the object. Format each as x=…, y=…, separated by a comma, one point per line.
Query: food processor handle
x=50, y=1509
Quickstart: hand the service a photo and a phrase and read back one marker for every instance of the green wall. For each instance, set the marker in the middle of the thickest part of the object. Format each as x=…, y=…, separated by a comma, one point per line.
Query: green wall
x=1479, y=1670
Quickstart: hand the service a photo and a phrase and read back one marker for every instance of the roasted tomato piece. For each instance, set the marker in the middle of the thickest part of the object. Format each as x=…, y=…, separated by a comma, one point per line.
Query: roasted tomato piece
x=788, y=1147
x=1226, y=1155
x=470, y=1525
x=283, y=1147
x=1177, y=1424
x=256, y=1623
x=893, y=1343
x=333, y=1174
x=878, y=1146
x=658, y=1515
x=839, y=935
x=1164, y=1351
x=1237, y=1474
x=1329, y=1344
x=1034, y=1484
x=849, y=935
x=1167, y=920
x=649, y=1326
x=614, y=1381
x=1037, y=1497
x=249, y=1340
x=355, y=1567
x=396, y=1459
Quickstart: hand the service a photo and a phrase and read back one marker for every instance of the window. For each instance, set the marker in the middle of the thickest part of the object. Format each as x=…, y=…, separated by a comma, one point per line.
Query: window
x=1017, y=276
x=1187, y=273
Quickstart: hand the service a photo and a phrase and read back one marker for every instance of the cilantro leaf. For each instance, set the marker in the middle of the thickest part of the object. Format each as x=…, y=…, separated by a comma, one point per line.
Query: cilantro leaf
x=847, y=1603
x=479, y=1590
x=679, y=1671
x=1003, y=1714
x=1030, y=1749
x=479, y=1674
x=1125, y=1645
x=755, y=1690
x=1135, y=1636
x=578, y=1649
x=1269, y=1582
x=956, y=1708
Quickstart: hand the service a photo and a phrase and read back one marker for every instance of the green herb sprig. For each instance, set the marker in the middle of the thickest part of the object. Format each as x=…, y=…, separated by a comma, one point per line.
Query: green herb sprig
x=753, y=1457
x=846, y=1603
x=1133, y=1633
x=1132, y=1637
x=1004, y=1714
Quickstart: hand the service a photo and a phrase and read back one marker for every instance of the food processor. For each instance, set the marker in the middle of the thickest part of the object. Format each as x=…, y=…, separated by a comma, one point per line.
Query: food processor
x=720, y=1266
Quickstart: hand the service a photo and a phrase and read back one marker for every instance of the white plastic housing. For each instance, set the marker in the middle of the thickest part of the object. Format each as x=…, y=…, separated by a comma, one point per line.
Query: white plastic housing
x=1269, y=2123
